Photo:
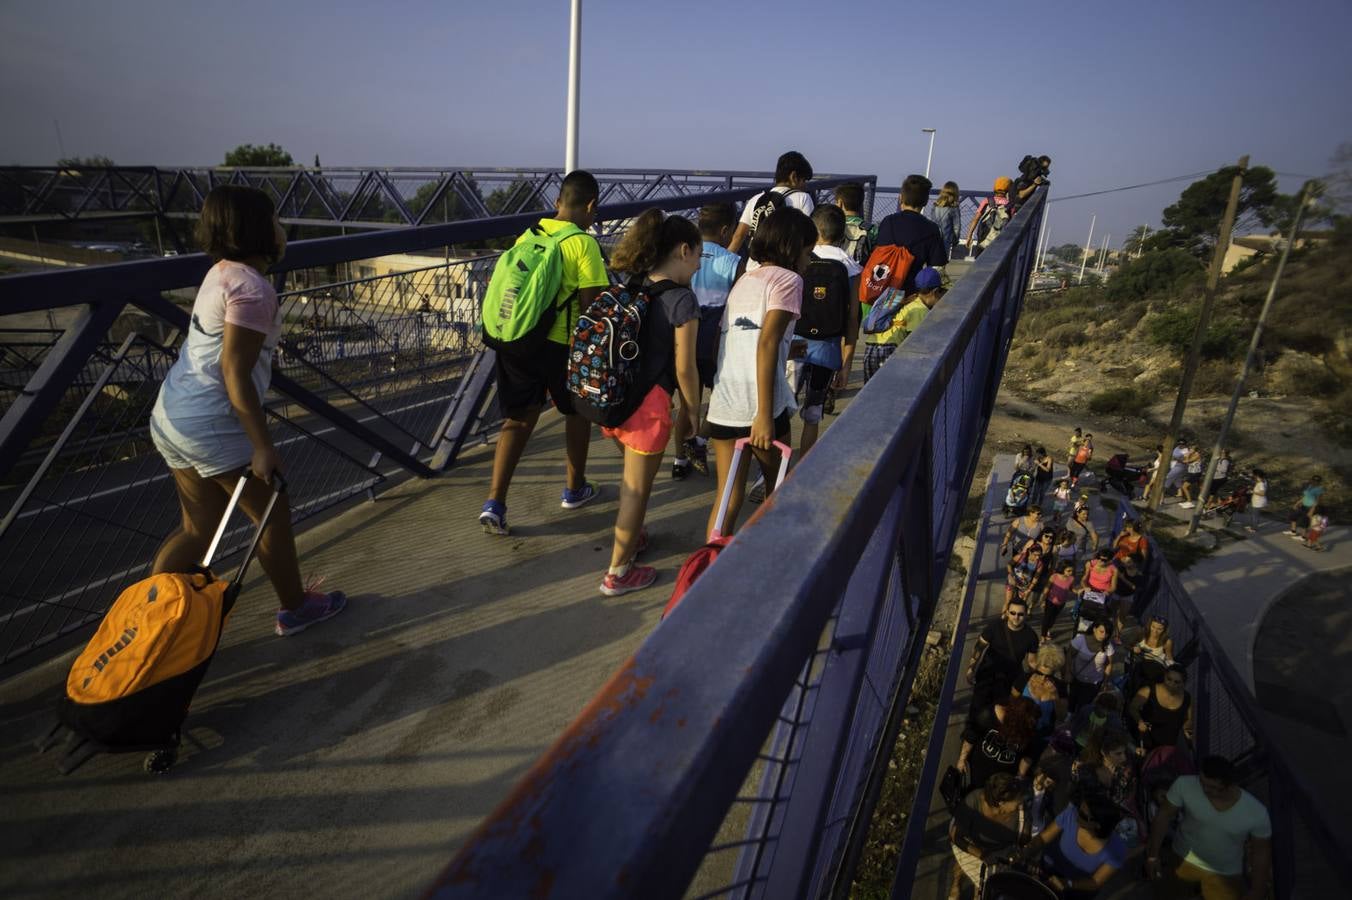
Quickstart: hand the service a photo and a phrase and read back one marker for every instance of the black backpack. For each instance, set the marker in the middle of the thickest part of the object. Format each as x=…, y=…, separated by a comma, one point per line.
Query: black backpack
x=766, y=204
x=826, y=300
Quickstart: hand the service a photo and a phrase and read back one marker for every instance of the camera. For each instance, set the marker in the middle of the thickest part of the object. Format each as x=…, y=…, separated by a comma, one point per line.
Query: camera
x=1033, y=167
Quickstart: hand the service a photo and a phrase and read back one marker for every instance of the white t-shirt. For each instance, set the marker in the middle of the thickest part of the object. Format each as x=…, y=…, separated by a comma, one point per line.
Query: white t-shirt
x=763, y=288
x=231, y=293
x=831, y=251
x=798, y=199
x=1259, y=497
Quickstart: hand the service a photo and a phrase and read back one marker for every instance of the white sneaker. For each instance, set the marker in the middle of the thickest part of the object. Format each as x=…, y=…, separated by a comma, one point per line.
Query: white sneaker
x=1186, y=504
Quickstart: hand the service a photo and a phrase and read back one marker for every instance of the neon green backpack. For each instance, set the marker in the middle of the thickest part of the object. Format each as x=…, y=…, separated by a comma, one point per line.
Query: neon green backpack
x=520, y=303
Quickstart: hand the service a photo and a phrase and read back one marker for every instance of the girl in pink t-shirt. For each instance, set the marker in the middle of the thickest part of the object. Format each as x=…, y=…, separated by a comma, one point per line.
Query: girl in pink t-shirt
x=208, y=421
x=751, y=395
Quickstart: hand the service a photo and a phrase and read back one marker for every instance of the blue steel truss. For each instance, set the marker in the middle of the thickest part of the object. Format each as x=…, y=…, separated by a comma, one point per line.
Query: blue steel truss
x=358, y=198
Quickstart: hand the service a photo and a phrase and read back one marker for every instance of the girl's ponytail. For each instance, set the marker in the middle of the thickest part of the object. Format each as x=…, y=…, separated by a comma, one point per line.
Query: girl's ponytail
x=637, y=251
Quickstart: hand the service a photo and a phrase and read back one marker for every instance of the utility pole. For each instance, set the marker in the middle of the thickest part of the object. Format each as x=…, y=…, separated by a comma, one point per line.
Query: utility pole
x=1213, y=279
x=1248, y=363
x=574, y=85
x=1088, y=248
x=1140, y=245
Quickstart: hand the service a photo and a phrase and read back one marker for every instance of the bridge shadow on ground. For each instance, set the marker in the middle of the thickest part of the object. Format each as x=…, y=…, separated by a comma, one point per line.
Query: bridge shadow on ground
x=354, y=758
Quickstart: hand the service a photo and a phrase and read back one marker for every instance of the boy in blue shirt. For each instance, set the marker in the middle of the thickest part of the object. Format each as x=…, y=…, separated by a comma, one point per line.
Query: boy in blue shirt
x=711, y=284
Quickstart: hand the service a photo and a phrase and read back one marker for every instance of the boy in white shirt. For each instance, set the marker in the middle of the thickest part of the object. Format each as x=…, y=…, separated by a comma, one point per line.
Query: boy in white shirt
x=792, y=173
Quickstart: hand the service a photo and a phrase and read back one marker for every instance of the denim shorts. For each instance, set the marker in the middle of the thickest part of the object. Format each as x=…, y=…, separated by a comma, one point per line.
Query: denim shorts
x=212, y=445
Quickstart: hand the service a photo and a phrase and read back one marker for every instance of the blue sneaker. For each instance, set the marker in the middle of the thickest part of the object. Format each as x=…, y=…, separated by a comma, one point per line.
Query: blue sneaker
x=493, y=519
x=315, y=608
x=580, y=497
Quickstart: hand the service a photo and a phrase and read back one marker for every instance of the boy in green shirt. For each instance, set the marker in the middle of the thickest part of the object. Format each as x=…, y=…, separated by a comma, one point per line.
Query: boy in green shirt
x=880, y=346
x=524, y=380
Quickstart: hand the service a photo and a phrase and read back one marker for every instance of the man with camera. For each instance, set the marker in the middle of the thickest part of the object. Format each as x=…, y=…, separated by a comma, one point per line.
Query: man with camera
x=1033, y=172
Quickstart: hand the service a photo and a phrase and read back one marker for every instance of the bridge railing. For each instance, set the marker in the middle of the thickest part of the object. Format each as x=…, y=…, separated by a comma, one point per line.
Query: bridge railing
x=739, y=751
x=379, y=373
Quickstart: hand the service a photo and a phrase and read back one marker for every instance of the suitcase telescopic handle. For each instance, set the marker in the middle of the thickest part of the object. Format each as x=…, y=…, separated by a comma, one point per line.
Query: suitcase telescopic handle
x=278, y=484
x=785, y=451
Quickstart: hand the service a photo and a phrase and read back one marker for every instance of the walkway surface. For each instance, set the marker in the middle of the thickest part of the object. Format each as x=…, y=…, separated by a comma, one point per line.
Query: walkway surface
x=1235, y=586
x=352, y=760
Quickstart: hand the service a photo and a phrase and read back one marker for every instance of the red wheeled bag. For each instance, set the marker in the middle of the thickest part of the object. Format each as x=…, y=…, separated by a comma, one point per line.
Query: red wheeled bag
x=704, y=557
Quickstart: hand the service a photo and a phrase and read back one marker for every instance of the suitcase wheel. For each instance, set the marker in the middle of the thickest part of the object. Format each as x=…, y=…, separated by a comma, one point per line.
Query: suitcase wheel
x=159, y=762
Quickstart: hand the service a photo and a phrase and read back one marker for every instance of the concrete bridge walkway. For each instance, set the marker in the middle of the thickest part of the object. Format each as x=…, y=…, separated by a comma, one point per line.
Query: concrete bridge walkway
x=353, y=759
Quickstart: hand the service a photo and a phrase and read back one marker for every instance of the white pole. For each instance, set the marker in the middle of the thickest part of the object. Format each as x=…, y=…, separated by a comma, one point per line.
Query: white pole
x=929, y=159
x=1140, y=247
x=1088, y=244
x=1103, y=254
x=1042, y=241
x=574, y=79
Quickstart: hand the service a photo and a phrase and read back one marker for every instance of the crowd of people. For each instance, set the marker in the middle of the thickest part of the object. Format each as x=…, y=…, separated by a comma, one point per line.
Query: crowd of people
x=1078, y=749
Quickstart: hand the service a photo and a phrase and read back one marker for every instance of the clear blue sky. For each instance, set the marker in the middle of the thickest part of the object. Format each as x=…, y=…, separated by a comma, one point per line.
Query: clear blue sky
x=1117, y=93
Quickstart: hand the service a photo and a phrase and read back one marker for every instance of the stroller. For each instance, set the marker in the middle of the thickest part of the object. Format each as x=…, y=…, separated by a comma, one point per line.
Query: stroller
x=1091, y=607
x=1234, y=502
x=1016, y=498
x=1124, y=477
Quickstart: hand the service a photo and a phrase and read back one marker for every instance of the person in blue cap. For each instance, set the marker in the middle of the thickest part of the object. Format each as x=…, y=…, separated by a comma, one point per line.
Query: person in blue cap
x=882, y=344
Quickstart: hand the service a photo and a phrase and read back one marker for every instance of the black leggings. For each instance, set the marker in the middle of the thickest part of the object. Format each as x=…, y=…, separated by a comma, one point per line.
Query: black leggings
x=1049, y=613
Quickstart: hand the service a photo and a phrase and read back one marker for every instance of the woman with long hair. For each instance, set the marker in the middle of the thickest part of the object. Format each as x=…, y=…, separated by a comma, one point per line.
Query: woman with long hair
x=946, y=214
x=999, y=738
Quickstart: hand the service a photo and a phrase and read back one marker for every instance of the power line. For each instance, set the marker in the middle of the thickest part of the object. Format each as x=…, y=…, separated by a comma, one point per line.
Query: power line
x=1132, y=187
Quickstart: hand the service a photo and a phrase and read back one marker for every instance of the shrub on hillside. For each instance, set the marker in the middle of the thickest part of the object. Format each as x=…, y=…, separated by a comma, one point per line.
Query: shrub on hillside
x=1120, y=401
x=1070, y=334
x=1227, y=337
x=1163, y=271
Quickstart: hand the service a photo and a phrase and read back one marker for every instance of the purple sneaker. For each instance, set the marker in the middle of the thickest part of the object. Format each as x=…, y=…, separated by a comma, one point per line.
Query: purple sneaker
x=315, y=608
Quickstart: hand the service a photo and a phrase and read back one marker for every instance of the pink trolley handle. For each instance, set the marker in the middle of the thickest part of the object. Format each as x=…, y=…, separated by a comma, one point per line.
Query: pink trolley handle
x=785, y=451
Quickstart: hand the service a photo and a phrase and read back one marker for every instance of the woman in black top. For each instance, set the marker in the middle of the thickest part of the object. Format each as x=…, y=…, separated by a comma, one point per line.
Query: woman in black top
x=999, y=738
x=1042, y=475
x=1163, y=711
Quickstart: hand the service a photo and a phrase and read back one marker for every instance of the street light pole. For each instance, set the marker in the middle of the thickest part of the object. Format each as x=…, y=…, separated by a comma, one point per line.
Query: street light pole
x=929, y=159
x=574, y=83
x=1088, y=248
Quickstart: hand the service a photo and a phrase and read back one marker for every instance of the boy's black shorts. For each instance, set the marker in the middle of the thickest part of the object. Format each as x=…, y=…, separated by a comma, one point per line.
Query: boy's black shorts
x=524, y=380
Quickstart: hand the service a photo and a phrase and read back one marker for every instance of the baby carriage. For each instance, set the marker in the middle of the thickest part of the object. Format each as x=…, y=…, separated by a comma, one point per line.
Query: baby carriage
x=1124, y=477
x=1091, y=607
x=1235, y=502
x=1016, y=498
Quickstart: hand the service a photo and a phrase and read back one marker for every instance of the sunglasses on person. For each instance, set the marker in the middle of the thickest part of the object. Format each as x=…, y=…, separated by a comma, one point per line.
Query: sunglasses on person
x=1016, y=615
